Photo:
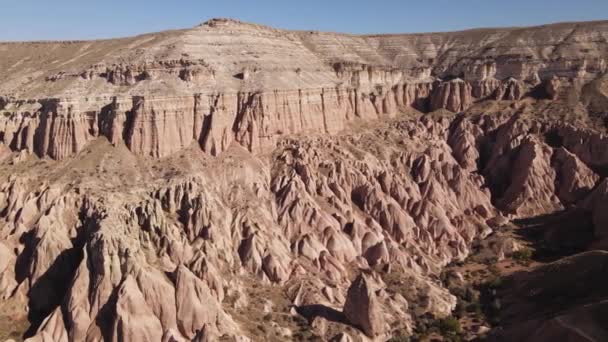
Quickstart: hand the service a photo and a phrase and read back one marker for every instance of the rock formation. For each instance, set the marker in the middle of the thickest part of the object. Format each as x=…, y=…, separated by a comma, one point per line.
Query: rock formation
x=454, y=96
x=187, y=185
x=308, y=86
x=362, y=308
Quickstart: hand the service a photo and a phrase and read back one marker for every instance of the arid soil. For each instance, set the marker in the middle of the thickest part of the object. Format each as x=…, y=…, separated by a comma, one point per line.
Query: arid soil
x=237, y=182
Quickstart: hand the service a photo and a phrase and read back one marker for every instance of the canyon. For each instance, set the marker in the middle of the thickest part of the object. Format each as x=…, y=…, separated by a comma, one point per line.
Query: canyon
x=238, y=182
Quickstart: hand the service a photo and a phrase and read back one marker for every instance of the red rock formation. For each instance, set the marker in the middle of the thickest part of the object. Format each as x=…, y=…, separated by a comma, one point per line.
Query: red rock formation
x=485, y=88
x=552, y=87
x=586, y=144
x=531, y=189
x=574, y=180
x=56, y=128
x=287, y=94
x=455, y=96
x=148, y=237
x=511, y=90
x=596, y=204
x=134, y=320
x=362, y=308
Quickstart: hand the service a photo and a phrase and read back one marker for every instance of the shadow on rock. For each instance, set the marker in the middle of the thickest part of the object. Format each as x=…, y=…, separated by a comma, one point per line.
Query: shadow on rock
x=310, y=312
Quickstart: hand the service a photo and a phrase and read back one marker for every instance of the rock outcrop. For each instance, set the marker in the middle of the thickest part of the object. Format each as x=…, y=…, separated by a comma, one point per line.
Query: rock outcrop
x=296, y=83
x=577, y=316
x=232, y=174
x=454, y=96
x=596, y=204
x=574, y=179
x=362, y=308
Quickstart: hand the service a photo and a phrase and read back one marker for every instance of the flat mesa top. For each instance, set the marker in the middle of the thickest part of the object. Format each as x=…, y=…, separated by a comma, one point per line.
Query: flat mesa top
x=237, y=56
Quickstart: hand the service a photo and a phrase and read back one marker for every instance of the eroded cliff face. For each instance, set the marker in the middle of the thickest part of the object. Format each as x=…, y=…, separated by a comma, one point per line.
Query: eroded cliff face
x=158, y=126
x=400, y=200
x=175, y=90
x=194, y=191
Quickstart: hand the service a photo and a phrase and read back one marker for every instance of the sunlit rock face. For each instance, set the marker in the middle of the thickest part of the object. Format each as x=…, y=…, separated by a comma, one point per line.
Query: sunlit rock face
x=186, y=185
x=227, y=81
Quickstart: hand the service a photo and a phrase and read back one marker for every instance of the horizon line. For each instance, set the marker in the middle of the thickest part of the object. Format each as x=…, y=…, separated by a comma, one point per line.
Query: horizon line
x=371, y=34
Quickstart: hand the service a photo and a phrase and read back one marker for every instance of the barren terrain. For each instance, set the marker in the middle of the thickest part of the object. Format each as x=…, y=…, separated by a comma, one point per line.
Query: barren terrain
x=243, y=183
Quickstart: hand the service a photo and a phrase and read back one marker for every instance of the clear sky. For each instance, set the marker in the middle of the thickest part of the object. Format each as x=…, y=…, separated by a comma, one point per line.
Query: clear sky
x=89, y=19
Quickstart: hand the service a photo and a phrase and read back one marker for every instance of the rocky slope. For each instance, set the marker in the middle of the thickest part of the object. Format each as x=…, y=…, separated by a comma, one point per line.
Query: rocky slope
x=228, y=81
x=240, y=182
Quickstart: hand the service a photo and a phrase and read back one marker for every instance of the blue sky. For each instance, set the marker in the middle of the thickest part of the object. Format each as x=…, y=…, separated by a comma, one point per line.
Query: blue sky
x=87, y=19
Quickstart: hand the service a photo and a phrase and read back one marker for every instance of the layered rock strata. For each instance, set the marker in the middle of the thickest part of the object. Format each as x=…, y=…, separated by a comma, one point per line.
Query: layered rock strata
x=287, y=82
x=232, y=174
x=407, y=198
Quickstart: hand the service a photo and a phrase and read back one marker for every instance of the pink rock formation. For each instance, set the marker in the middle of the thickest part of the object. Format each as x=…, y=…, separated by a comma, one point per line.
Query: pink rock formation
x=197, y=189
x=531, y=189
x=596, y=204
x=511, y=90
x=297, y=91
x=552, y=87
x=574, y=180
x=454, y=96
x=134, y=320
x=362, y=308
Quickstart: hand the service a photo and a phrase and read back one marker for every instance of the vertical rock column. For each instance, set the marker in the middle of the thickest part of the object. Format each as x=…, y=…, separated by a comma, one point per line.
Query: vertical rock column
x=454, y=96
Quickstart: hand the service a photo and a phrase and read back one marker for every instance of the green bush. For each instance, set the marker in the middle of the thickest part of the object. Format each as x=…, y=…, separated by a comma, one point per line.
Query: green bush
x=523, y=256
x=449, y=326
x=495, y=283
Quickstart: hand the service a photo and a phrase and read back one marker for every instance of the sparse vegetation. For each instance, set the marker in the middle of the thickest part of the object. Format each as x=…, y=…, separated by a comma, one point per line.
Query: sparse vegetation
x=494, y=283
x=400, y=337
x=490, y=302
x=461, y=309
x=523, y=256
x=449, y=326
x=494, y=269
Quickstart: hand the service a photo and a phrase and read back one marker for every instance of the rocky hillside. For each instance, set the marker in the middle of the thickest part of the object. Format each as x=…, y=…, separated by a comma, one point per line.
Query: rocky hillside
x=237, y=182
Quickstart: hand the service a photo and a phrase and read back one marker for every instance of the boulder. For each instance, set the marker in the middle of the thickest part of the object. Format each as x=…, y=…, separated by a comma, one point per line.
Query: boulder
x=362, y=308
